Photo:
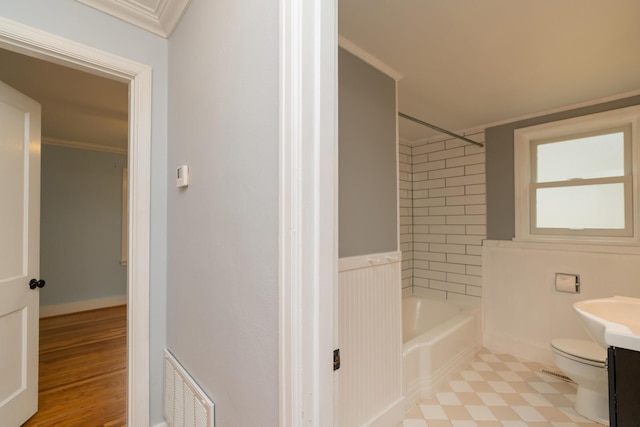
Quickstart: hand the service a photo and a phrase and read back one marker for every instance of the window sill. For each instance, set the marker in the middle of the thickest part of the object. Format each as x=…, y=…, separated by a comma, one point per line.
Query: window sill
x=625, y=248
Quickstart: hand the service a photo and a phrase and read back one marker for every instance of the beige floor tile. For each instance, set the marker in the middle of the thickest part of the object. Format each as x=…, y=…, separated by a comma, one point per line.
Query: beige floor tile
x=433, y=412
x=488, y=357
x=491, y=376
x=522, y=387
x=481, y=413
x=501, y=387
x=505, y=413
x=558, y=400
x=460, y=386
x=448, y=398
x=513, y=399
x=413, y=413
x=471, y=375
x=554, y=414
x=414, y=423
x=499, y=391
x=510, y=376
x=507, y=358
x=492, y=399
x=498, y=366
x=457, y=413
x=481, y=386
x=439, y=423
x=470, y=399
x=431, y=401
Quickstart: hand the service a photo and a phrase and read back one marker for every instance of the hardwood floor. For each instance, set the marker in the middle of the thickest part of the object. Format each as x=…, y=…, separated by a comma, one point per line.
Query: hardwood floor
x=83, y=370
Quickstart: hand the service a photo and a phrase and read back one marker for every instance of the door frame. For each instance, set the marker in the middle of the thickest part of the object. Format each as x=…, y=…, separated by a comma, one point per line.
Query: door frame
x=49, y=47
x=308, y=219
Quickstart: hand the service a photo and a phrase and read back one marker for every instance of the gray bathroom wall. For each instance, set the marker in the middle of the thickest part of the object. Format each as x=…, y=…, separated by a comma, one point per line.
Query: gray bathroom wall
x=368, y=213
x=500, y=169
x=81, y=225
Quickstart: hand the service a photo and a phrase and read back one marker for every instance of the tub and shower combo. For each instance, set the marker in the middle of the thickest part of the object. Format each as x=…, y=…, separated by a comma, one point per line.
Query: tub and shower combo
x=439, y=339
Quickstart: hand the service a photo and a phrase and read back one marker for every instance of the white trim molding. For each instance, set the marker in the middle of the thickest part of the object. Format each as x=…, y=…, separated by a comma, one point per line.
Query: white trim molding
x=49, y=47
x=523, y=138
x=367, y=57
x=370, y=260
x=308, y=211
x=77, y=306
x=83, y=145
x=161, y=18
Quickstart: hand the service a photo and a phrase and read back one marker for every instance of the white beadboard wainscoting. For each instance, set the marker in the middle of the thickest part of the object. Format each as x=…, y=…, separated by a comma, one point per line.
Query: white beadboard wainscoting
x=370, y=336
x=523, y=311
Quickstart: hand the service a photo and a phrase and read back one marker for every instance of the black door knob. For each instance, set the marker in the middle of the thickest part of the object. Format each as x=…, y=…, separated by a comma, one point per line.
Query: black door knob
x=33, y=283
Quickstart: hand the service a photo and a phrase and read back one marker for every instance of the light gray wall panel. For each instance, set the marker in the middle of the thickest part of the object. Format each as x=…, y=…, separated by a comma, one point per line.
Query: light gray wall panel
x=81, y=225
x=368, y=215
x=223, y=235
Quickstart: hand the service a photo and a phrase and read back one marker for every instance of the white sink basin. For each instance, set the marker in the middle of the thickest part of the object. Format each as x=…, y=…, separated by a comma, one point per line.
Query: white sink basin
x=612, y=321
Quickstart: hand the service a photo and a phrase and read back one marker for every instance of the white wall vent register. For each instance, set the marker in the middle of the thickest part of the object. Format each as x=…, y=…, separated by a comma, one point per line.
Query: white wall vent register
x=185, y=404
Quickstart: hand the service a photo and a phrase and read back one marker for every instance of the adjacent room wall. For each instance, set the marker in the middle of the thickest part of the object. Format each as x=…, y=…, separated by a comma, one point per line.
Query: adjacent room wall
x=81, y=225
x=81, y=23
x=368, y=198
x=223, y=241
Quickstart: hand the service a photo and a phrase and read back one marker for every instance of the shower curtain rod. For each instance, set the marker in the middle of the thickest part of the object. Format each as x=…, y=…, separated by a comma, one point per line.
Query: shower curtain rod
x=439, y=129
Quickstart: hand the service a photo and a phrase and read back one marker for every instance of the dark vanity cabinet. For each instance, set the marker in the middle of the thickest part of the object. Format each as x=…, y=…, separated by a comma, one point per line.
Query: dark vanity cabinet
x=624, y=387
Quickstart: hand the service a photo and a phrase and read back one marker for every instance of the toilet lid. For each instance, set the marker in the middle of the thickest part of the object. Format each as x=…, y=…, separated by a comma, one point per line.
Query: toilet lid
x=581, y=349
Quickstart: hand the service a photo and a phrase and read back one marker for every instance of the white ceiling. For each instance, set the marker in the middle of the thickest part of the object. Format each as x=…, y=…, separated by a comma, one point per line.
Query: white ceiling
x=77, y=107
x=465, y=63
x=468, y=63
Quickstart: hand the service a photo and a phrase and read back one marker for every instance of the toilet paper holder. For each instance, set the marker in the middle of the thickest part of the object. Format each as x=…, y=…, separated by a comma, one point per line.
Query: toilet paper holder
x=569, y=283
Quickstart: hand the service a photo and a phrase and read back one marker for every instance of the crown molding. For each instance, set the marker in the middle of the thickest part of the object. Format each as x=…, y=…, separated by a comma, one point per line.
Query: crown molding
x=161, y=19
x=482, y=128
x=83, y=145
x=367, y=57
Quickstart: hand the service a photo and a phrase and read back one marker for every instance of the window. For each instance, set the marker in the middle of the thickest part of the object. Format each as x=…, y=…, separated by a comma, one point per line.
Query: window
x=575, y=179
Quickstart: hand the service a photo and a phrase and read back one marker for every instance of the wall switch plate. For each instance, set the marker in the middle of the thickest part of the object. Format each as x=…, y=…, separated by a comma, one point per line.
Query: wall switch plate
x=182, y=177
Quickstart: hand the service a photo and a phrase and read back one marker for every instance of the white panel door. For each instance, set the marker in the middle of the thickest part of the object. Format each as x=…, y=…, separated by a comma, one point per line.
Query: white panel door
x=19, y=255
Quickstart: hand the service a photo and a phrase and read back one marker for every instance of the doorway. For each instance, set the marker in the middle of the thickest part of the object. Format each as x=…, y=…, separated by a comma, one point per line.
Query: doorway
x=35, y=43
x=83, y=196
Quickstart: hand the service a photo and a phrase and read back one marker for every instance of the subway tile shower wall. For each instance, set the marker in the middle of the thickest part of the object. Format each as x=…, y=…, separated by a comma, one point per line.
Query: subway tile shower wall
x=443, y=217
x=406, y=215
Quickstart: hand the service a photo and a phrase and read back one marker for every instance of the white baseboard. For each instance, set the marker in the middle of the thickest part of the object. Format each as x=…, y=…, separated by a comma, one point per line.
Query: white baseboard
x=74, y=307
x=390, y=417
x=515, y=346
x=164, y=424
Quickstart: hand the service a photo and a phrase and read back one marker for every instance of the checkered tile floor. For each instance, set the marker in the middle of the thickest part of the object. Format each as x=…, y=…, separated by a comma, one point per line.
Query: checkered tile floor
x=498, y=390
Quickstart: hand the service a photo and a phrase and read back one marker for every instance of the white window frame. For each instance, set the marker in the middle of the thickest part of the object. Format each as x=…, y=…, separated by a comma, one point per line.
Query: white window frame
x=525, y=138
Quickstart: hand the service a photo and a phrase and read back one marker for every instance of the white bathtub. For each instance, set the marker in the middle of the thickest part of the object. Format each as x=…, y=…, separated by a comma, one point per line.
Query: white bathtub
x=439, y=339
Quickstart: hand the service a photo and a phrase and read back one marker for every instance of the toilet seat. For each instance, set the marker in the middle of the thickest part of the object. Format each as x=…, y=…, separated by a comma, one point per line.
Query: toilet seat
x=582, y=351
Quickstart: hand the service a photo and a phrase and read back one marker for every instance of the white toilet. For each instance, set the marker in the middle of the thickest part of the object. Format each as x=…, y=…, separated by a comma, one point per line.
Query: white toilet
x=585, y=362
